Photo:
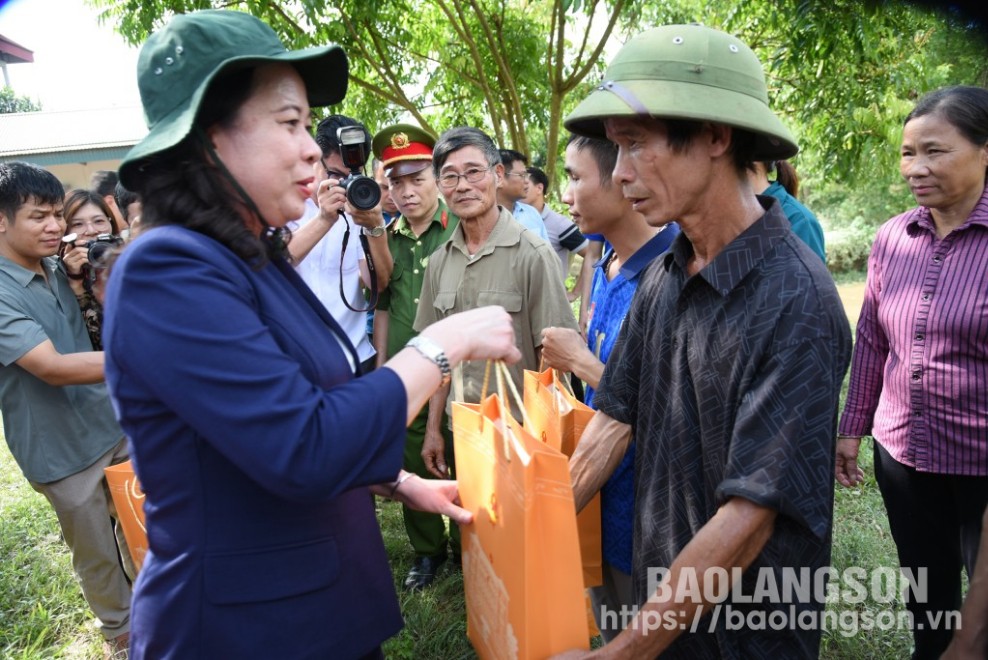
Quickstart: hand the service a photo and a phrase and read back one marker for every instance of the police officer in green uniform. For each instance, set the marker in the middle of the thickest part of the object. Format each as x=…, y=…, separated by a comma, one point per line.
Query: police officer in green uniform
x=425, y=223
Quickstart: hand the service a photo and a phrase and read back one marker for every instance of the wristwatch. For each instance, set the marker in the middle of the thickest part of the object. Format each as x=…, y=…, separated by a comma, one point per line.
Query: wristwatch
x=376, y=231
x=432, y=351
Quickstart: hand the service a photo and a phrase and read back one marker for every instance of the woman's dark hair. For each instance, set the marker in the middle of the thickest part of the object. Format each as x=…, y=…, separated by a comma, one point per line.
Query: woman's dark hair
x=180, y=186
x=785, y=175
x=79, y=197
x=965, y=108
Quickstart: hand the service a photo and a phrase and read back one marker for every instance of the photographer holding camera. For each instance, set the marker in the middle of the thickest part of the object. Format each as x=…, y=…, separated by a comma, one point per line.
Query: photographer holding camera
x=329, y=259
x=57, y=417
x=90, y=234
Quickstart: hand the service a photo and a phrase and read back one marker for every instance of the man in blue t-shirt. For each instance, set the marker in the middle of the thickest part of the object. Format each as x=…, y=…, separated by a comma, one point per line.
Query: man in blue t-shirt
x=598, y=206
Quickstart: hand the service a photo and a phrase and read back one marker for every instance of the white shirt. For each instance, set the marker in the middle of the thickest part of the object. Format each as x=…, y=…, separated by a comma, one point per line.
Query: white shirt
x=321, y=271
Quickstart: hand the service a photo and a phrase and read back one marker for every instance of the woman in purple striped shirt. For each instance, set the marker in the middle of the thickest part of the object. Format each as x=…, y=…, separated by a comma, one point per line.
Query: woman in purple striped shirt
x=919, y=377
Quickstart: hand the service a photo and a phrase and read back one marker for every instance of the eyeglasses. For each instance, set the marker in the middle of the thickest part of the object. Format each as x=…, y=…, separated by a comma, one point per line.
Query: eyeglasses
x=520, y=175
x=99, y=223
x=473, y=175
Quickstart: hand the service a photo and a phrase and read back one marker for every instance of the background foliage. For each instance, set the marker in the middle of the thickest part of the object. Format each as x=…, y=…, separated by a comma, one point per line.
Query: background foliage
x=842, y=73
x=10, y=102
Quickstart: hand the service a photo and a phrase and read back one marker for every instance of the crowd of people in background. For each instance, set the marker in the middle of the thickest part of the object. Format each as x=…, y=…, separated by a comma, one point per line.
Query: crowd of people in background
x=276, y=350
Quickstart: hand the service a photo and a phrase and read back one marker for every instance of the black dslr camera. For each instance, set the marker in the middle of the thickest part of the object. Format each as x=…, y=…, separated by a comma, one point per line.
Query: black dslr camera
x=98, y=249
x=361, y=191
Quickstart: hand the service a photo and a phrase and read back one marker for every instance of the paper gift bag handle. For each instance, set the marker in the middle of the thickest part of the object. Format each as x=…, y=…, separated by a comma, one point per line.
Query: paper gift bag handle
x=504, y=374
x=487, y=380
x=559, y=374
x=506, y=435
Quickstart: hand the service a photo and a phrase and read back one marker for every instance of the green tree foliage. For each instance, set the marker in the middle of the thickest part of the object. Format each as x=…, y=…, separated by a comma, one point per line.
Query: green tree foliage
x=845, y=73
x=509, y=66
x=842, y=73
x=10, y=102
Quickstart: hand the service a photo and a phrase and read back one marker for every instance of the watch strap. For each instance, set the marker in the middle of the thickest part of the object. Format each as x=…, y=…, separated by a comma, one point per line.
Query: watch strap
x=433, y=352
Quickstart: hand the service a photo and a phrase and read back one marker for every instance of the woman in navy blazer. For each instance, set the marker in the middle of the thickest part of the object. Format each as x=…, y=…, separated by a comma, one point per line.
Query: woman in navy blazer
x=257, y=446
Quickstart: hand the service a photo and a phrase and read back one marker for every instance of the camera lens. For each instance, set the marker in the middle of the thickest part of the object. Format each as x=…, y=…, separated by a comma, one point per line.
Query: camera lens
x=100, y=250
x=363, y=192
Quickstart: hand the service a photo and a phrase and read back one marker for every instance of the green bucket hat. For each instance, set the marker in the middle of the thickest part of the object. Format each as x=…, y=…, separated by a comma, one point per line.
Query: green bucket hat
x=687, y=72
x=179, y=62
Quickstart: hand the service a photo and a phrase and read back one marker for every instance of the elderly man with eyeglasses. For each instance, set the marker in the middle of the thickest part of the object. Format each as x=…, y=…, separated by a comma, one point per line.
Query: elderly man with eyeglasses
x=489, y=260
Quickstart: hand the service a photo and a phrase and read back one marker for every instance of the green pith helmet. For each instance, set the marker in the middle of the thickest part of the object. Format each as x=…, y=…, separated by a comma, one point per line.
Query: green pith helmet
x=179, y=62
x=686, y=72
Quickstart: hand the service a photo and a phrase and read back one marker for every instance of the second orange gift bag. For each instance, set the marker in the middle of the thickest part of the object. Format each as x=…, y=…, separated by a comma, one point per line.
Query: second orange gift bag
x=521, y=555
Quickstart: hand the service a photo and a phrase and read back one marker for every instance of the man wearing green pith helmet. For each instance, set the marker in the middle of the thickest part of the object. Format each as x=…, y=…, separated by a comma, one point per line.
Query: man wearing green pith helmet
x=728, y=367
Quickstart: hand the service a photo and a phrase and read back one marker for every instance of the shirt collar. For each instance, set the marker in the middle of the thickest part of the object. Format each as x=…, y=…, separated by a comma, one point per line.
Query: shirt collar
x=22, y=275
x=400, y=224
x=921, y=218
x=740, y=256
x=507, y=231
x=644, y=255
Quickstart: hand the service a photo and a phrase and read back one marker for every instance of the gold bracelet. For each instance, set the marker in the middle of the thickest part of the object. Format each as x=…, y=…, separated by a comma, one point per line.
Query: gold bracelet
x=402, y=479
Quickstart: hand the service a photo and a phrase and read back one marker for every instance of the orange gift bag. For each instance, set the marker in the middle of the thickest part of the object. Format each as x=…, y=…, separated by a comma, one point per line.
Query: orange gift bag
x=558, y=418
x=128, y=498
x=521, y=559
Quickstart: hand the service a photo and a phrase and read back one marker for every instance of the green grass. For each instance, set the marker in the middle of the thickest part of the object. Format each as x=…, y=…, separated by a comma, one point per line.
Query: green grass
x=862, y=538
x=435, y=619
x=42, y=612
x=43, y=615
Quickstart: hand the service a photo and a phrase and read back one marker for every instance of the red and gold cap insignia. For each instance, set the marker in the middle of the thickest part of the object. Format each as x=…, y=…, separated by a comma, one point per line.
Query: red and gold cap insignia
x=399, y=141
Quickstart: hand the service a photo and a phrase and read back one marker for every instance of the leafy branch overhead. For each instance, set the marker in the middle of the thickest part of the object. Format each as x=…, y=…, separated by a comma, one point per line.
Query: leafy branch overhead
x=503, y=65
x=842, y=73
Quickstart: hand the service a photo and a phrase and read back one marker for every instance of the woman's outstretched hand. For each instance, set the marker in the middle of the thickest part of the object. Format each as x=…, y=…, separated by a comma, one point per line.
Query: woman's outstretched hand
x=484, y=333
x=433, y=496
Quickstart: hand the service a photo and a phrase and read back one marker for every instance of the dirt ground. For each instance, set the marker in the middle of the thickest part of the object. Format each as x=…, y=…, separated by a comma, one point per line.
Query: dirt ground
x=852, y=295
